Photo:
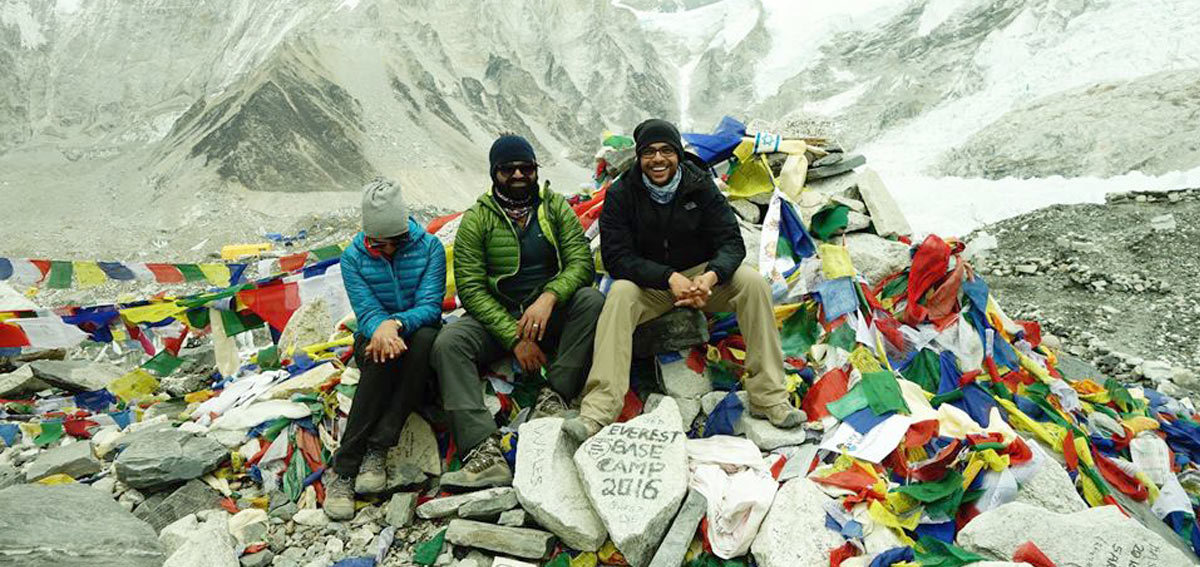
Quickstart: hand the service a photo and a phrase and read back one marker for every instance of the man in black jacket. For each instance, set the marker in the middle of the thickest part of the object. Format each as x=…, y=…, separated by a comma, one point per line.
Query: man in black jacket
x=669, y=238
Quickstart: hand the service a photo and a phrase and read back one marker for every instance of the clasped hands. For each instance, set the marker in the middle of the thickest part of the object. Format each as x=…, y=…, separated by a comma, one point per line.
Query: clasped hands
x=386, y=342
x=531, y=328
x=692, y=292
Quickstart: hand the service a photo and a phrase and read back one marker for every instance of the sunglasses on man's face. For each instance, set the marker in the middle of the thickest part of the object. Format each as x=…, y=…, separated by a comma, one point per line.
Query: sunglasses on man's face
x=380, y=243
x=526, y=169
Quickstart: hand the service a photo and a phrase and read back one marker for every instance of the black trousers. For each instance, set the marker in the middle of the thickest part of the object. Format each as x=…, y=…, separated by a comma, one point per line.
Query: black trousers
x=387, y=392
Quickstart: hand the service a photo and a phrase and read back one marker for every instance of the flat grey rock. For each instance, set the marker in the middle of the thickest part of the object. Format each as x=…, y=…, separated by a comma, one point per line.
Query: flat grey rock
x=167, y=457
x=208, y=545
x=1095, y=537
x=794, y=532
x=688, y=408
x=193, y=497
x=20, y=382
x=35, y=521
x=886, y=216
x=767, y=436
x=518, y=542
x=490, y=508
x=678, y=329
x=400, y=509
x=75, y=375
x=876, y=257
x=75, y=460
x=635, y=474
x=547, y=485
x=680, y=381
x=516, y=518
x=1051, y=488
x=448, y=506
x=675, y=544
x=417, y=449
x=844, y=165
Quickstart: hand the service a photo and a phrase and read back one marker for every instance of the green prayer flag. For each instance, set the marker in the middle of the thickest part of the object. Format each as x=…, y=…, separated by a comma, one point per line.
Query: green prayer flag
x=293, y=479
x=895, y=287
x=722, y=376
x=51, y=431
x=933, y=491
x=427, y=552
x=197, y=318
x=236, y=323
x=191, y=272
x=801, y=330
x=924, y=370
x=883, y=392
x=162, y=364
x=951, y=396
x=843, y=337
x=1119, y=394
x=561, y=560
x=830, y=219
x=327, y=252
x=853, y=401
x=268, y=358
x=60, y=275
x=941, y=554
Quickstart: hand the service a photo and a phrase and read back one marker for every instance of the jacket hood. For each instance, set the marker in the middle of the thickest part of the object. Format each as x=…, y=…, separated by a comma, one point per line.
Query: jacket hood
x=416, y=234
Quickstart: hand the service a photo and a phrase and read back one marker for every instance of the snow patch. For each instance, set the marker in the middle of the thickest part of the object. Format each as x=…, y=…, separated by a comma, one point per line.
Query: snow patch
x=936, y=13
x=348, y=5
x=66, y=7
x=19, y=15
x=839, y=102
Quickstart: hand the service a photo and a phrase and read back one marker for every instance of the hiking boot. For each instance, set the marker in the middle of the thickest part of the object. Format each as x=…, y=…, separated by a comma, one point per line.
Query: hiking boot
x=484, y=466
x=339, y=496
x=581, y=428
x=549, y=404
x=782, y=415
x=372, y=473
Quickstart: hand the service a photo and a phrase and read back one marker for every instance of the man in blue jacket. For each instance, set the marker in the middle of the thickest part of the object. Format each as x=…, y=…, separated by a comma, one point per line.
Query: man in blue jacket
x=395, y=277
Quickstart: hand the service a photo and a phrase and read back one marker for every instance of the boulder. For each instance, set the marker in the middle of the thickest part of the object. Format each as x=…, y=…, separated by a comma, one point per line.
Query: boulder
x=193, y=497
x=35, y=519
x=306, y=382
x=20, y=382
x=1095, y=537
x=679, y=380
x=310, y=517
x=10, y=475
x=162, y=458
x=794, y=531
x=547, y=485
x=875, y=257
x=678, y=329
x=747, y=210
x=635, y=475
x=75, y=459
x=1051, y=488
x=310, y=324
x=75, y=375
x=675, y=544
x=449, y=505
x=249, y=526
x=518, y=542
x=688, y=408
x=208, y=544
x=885, y=213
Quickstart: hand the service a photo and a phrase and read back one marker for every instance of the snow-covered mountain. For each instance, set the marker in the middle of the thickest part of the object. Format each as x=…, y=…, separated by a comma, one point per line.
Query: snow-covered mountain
x=163, y=119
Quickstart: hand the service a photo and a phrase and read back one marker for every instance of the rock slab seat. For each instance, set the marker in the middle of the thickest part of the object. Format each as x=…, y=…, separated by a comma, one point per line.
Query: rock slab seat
x=794, y=532
x=56, y=526
x=75, y=460
x=167, y=457
x=635, y=475
x=518, y=542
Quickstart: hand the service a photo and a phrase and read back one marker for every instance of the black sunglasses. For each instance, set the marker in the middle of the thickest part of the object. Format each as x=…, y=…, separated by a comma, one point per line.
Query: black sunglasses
x=526, y=169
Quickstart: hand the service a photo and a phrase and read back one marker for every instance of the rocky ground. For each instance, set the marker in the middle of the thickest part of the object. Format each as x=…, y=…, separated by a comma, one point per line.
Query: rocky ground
x=1118, y=282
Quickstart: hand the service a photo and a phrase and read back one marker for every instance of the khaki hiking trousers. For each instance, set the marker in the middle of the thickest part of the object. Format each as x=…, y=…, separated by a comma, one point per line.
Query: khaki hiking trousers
x=628, y=306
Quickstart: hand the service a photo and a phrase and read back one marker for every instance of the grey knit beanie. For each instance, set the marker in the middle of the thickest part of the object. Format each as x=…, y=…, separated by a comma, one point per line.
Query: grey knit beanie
x=383, y=211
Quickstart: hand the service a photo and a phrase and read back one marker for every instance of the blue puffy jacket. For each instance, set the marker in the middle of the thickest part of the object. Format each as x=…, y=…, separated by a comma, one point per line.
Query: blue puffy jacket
x=409, y=289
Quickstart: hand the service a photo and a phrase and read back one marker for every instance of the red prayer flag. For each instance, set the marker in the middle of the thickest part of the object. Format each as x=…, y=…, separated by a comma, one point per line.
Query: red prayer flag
x=293, y=262
x=437, y=224
x=829, y=388
x=920, y=433
x=928, y=266
x=275, y=303
x=42, y=266
x=1068, y=446
x=11, y=336
x=1029, y=553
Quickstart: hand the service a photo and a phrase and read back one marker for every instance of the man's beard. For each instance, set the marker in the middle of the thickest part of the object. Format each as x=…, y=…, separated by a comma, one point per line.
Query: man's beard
x=517, y=194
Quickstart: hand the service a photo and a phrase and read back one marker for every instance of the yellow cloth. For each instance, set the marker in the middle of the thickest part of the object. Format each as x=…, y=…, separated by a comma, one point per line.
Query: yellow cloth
x=917, y=400
x=1025, y=423
x=235, y=251
x=587, y=559
x=216, y=274
x=835, y=261
x=752, y=177
x=956, y=423
x=1090, y=492
x=1140, y=423
x=152, y=313
x=89, y=274
x=56, y=479
x=864, y=360
x=885, y=517
x=134, y=386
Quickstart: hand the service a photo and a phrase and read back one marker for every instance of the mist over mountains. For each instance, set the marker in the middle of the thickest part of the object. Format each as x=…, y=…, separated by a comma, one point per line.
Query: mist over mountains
x=164, y=119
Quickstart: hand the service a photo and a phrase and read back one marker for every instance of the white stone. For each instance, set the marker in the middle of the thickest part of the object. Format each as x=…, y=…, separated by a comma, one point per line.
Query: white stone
x=767, y=436
x=885, y=213
x=636, y=476
x=1095, y=537
x=20, y=381
x=874, y=257
x=400, y=509
x=794, y=532
x=548, y=486
x=208, y=545
x=1156, y=370
x=249, y=526
x=311, y=518
x=449, y=505
x=688, y=408
x=680, y=381
x=1051, y=488
x=304, y=383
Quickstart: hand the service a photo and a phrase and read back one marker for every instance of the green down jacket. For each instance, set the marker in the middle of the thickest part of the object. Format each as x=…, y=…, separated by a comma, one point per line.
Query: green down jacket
x=486, y=251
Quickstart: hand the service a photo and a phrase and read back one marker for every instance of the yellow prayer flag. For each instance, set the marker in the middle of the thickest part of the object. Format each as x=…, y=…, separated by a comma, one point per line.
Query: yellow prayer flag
x=864, y=360
x=57, y=479
x=88, y=274
x=835, y=261
x=134, y=386
x=216, y=274
x=152, y=313
x=1140, y=423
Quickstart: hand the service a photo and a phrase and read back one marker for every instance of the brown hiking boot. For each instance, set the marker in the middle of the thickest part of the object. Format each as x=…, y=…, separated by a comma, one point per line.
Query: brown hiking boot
x=782, y=415
x=484, y=466
x=549, y=404
x=339, y=496
x=372, y=473
x=581, y=428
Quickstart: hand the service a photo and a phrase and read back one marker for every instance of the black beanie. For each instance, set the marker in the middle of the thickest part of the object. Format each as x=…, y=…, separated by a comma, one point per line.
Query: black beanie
x=656, y=130
x=510, y=148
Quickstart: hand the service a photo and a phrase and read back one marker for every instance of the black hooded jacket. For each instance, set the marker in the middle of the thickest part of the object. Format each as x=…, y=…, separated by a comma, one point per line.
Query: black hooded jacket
x=644, y=242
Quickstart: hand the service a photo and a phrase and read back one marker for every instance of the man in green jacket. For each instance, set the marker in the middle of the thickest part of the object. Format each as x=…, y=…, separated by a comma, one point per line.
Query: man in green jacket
x=524, y=272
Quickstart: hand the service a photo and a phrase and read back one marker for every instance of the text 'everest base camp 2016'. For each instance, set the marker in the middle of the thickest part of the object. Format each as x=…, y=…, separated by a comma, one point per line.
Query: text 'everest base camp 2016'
x=354, y=283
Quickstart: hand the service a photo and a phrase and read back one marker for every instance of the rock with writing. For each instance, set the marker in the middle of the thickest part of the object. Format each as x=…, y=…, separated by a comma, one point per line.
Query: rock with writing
x=1096, y=537
x=635, y=474
x=417, y=447
x=548, y=487
x=794, y=532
